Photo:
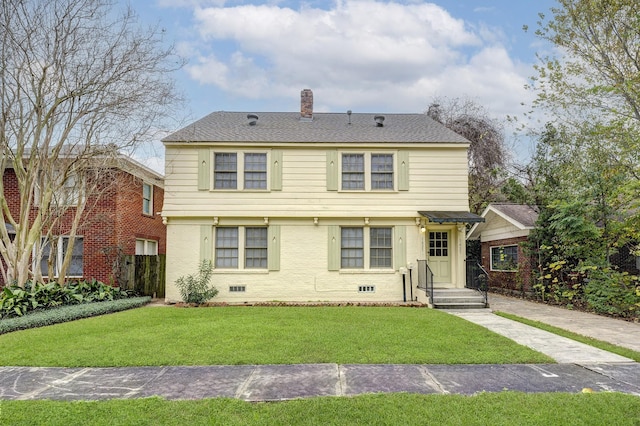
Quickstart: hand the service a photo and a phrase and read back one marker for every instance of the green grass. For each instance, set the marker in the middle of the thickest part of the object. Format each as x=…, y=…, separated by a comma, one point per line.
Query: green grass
x=505, y=408
x=263, y=335
x=629, y=353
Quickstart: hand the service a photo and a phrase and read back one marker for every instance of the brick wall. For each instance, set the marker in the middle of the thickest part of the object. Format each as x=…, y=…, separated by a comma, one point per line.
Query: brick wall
x=516, y=282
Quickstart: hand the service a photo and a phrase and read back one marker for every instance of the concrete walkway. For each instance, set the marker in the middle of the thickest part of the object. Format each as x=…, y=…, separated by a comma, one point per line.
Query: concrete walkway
x=611, y=330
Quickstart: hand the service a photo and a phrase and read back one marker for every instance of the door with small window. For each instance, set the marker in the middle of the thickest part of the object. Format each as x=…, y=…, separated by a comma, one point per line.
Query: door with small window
x=439, y=256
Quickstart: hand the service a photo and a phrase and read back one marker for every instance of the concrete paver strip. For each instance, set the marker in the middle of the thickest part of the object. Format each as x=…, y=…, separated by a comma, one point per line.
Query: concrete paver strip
x=561, y=349
x=284, y=382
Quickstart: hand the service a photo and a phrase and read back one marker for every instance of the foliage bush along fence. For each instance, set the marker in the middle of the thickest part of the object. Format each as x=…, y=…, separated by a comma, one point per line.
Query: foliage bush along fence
x=145, y=275
x=17, y=301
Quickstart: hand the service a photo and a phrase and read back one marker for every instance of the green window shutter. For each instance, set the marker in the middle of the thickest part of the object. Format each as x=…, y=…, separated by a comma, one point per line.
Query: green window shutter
x=204, y=170
x=206, y=242
x=403, y=171
x=273, y=254
x=276, y=170
x=400, y=246
x=334, y=248
x=332, y=170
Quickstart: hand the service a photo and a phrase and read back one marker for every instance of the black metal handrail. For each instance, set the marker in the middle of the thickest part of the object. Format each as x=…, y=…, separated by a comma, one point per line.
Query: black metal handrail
x=478, y=279
x=425, y=279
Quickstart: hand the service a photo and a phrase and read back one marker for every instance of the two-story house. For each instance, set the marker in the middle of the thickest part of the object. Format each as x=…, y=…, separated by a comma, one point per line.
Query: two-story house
x=316, y=206
x=121, y=218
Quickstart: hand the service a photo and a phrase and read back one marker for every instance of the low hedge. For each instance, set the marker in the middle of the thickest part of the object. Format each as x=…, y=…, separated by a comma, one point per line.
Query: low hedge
x=70, y=313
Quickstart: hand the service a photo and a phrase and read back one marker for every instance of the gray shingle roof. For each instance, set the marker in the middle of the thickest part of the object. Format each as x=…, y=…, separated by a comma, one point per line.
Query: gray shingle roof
x=521, y=213
x=225, y=126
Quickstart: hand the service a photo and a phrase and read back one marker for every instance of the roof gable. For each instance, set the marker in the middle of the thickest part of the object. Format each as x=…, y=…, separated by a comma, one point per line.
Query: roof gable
x=521, y=216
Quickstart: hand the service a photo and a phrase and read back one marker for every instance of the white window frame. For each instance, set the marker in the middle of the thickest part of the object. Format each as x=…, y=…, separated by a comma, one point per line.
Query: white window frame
x=240, y=170
x=37, y=263
x=491, y=248
x=366, y=247
x=241, y=257
x=149, y=247
x=368, y=172
x=149, y=211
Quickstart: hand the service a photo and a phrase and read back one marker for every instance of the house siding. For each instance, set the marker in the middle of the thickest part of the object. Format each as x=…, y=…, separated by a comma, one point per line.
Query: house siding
x=438, y=180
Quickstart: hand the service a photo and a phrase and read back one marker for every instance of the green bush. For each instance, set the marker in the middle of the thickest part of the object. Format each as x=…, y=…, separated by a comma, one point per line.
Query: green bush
x=612, y=292
x=69, y=313
x=195, y=288
x=17, y=301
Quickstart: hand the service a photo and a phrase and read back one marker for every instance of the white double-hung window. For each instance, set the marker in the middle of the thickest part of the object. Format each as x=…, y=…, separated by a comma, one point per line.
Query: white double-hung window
x=362, y=248
x=368, y=171
x=246, y=246
x=233, y=170
x=147, y=199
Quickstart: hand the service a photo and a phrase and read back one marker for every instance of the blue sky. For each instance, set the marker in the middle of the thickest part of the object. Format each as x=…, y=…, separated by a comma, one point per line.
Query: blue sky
x=359, y=55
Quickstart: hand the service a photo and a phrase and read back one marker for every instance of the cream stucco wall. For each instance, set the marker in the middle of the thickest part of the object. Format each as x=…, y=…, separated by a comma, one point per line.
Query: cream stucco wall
x=303, y=273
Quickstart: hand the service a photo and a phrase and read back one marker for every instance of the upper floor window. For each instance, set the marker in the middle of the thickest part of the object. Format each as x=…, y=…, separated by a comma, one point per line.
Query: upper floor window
x=504, y=258
x=353, y=171
x=367, y=172
x=382, y=171
x=147, y=199
x=255, y=170
x=225, y=175
x=232, y=170
x=67, y=189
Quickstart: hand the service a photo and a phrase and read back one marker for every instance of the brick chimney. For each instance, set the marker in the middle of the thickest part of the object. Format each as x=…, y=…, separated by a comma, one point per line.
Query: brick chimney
x=306, y=105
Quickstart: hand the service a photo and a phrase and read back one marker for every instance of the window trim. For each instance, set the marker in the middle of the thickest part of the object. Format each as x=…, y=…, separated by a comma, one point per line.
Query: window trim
x=491, y=248
x=151, y=211
x=368, y=173
x=240, y=170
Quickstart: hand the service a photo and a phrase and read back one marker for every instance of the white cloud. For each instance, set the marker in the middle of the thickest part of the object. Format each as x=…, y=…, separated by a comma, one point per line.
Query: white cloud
x=363, y=55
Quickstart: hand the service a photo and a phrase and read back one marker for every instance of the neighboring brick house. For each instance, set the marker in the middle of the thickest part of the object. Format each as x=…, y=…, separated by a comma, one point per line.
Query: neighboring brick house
x=121, y=218
x=501, y=235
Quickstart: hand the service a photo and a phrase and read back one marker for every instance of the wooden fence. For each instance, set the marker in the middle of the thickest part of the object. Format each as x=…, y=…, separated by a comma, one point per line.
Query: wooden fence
x=146, y=274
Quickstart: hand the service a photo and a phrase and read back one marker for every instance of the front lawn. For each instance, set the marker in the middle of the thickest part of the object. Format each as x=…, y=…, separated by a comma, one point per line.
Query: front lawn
x=153, y=336
x=504, y=408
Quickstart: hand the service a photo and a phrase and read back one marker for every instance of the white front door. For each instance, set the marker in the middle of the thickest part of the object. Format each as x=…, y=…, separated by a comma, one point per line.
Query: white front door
x=439, y=256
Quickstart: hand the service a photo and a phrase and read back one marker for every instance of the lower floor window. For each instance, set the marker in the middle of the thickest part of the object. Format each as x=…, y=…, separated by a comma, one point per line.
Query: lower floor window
x=360, y=249
x=54, y=251
x=146, y=247
x=504, y=258
x=253, y=251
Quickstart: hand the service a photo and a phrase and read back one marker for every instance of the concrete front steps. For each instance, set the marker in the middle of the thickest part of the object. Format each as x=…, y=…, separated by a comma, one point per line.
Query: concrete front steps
x=457, y=298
